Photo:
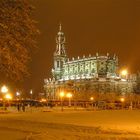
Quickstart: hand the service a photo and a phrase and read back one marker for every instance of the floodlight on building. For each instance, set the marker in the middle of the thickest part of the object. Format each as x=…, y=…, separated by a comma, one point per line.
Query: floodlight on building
x=124, y=72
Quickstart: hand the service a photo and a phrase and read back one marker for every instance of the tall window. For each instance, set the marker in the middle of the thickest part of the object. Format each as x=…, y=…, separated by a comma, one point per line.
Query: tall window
x=58, y=64
x=93, y=70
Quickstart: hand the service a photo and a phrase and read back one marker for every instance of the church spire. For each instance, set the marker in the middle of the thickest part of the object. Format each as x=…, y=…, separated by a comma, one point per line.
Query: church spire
x=60, y=56
x=60, y=42
x=60, y=27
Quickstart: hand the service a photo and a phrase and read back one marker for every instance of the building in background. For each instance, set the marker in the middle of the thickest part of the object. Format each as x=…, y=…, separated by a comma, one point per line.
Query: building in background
x=87, y=75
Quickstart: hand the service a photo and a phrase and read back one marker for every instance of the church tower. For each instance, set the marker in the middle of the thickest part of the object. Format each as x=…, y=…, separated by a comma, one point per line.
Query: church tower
x=60, y=56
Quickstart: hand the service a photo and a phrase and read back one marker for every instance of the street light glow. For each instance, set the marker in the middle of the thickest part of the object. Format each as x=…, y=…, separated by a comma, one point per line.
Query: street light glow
x=17, y=93
x=69, y=95
x=4, y=89
x=31, y=91
x=43, y=100
x=62, y=94
x=8, y=96
x=61, y=97
x=122, y=99
x=91, y=98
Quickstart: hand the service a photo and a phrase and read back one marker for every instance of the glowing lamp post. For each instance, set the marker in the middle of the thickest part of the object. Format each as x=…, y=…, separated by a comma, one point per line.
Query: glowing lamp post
x=61, y=98
x=31, y=93
x=43, y=100
x=69, y=95
x=8, y=97
x=18, y=95
x=92, y=99
x=122, y=101
x=4, y=89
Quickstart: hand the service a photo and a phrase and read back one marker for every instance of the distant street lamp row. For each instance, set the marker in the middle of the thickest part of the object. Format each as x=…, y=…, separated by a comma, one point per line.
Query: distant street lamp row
x=4, y=89
x=68, y=95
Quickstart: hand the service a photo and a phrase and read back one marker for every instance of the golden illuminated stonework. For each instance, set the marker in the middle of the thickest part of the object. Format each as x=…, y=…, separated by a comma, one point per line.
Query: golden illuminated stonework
x=97, y=73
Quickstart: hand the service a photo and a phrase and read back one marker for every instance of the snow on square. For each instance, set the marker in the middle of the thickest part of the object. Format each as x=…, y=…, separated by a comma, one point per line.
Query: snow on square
x=35, y=124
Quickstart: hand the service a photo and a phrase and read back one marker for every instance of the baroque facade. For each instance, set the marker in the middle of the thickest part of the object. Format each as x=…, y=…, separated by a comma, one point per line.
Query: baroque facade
x=86, y=75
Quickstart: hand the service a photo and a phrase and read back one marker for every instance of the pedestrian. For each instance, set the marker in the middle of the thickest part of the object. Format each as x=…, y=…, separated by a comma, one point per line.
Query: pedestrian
x=23, y=107
x=18, y=107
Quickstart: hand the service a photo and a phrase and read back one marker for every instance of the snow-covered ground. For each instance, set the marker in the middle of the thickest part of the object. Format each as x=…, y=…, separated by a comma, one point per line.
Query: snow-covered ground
x=70, y=125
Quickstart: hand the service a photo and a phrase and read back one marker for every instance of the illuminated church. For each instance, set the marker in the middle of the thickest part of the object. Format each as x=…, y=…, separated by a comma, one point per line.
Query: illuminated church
x=86, y=75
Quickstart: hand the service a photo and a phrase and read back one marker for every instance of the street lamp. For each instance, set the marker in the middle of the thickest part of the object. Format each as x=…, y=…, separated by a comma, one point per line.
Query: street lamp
x=31, y=93
x=4, y=89
x=8, y=96
x=43, y=100
x=61, y=97
x=91, y=99
x=18, y=95
x=122, y=100
x=69, y=95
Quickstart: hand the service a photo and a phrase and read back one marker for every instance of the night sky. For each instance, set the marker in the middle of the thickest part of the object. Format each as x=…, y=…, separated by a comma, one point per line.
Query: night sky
x=90, y=26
